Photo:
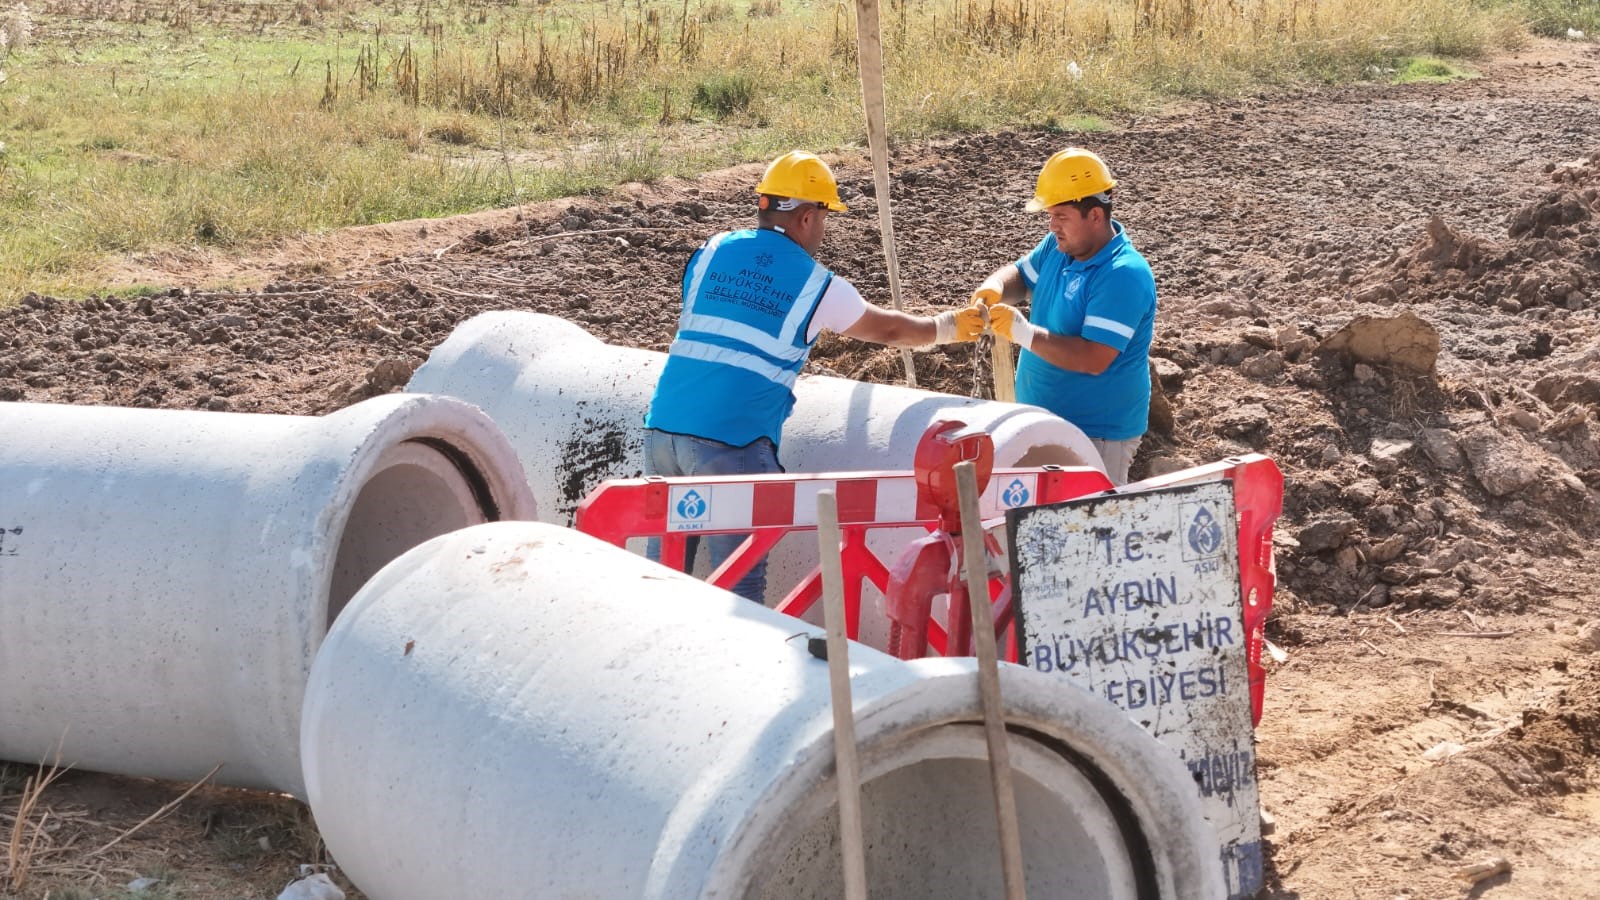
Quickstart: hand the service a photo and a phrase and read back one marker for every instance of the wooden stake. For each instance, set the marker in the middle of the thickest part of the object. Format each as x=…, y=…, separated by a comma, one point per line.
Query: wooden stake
x=1005, y=371
x=977, y=573
x=844, y=717
x=869, y=53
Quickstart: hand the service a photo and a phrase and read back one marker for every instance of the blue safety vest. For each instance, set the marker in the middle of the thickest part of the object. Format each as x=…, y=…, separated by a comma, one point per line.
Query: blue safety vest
x=748, y=298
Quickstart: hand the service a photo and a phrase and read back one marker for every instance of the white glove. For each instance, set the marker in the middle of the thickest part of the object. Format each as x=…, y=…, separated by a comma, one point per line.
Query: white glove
x=1009, y=322
x=953, y=325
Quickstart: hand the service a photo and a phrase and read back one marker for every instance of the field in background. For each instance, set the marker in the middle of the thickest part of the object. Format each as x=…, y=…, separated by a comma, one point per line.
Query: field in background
x=129, y=125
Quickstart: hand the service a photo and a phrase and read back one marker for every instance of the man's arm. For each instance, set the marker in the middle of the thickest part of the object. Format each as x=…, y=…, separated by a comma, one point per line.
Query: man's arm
x=898, y=329
x=1075, y=354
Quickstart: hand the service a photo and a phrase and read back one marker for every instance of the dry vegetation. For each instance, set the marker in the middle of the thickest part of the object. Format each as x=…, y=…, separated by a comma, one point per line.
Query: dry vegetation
x=136, y=124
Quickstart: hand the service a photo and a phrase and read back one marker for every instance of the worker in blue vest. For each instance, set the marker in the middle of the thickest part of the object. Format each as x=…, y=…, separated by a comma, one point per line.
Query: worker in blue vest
x=754, y=302
x=1086, y=354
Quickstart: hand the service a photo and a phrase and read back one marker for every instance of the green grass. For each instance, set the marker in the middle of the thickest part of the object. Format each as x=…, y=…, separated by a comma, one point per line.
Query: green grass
x=1427, y=70
x=1554, y=17
x=131, y=126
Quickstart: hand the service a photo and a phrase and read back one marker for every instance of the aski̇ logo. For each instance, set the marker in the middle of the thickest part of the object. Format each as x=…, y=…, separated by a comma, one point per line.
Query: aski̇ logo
x=1205, y=534
x=691, y=505
x=1015, y=494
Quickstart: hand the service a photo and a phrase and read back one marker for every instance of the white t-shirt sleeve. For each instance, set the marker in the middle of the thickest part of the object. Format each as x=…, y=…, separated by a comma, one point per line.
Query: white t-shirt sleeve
x=840, y=307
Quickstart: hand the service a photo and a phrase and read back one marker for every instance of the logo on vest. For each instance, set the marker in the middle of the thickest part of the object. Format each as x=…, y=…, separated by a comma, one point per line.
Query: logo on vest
x=763, y=260
x=1015, y=494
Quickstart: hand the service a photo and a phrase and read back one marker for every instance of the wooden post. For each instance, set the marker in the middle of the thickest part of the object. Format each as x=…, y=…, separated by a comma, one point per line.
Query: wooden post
x=844, y=718
x=869, y=53
x=976, y=559
x=1005, y=371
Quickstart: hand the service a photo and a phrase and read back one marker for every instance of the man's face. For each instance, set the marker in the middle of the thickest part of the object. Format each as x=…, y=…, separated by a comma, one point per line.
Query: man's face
x=813, y=224
x=1077, y=232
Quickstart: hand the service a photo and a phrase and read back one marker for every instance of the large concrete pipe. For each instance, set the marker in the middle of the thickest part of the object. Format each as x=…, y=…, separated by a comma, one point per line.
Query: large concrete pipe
x=166, y=577
x=519, y=710
x=574, y=408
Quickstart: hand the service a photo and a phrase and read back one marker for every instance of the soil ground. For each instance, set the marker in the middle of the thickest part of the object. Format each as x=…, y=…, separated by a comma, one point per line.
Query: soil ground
x=1393, y=291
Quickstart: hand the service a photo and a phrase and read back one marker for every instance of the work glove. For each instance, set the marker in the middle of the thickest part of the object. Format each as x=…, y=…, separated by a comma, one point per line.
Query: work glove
x=988, y=293
x=959, y=325
x=1009, y=322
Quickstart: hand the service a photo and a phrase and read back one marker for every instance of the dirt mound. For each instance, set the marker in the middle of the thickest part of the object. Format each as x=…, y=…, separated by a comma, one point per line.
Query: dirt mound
x=1562, y=738
x=1551, y=257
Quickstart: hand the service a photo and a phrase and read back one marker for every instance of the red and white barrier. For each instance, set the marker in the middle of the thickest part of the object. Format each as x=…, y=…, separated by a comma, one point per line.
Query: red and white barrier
x=770, y=507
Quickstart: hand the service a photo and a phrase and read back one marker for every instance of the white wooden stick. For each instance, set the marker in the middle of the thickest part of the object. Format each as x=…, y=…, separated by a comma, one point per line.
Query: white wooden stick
x=977, y=572
x=1005, y=370
x=869, y=53
x=844, y=718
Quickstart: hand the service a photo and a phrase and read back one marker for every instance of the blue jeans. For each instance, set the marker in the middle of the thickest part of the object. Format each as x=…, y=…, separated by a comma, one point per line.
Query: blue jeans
x=678, y=455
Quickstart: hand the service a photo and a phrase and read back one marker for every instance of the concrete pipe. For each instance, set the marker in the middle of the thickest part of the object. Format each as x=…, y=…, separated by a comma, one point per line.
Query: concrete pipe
x=166, y=577
x=519, y=710
x=574, y=408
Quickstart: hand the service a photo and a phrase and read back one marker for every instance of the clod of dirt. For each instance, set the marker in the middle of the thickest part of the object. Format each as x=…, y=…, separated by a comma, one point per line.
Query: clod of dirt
x=1503, y=464
x=1442, y=448
x=1443, y=247
x=389, y=374
x=1562, y=390
x=1250, y=421
x=1587, y=640
x=1576, y=172
x=1551, y=212
x=1327, y=533
x=1403, y=342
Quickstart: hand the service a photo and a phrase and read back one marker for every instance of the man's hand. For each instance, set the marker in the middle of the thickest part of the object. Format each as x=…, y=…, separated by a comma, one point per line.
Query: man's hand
x=994, y=287
x=959, y=325
x=1009, y=322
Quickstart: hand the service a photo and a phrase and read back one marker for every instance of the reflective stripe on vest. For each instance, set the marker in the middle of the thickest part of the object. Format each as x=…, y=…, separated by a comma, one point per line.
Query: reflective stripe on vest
x=748, y=361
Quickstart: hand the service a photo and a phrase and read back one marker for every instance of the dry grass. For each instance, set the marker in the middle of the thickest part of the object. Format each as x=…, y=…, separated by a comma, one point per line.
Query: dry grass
x=132, y=124
x=32, y=849
x=91, y=834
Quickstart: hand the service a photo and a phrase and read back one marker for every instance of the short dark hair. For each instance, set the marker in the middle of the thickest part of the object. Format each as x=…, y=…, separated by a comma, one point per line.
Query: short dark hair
x=768, y=212
x=1101, y=200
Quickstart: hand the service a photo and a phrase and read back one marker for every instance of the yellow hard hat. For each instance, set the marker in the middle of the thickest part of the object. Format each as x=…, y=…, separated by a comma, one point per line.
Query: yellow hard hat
x=1072, y=174
x=802, y=176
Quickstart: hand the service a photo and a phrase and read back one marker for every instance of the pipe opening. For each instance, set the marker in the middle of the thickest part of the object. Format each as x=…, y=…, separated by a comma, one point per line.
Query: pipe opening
x=929, y=828
x=417, y=492
x=1053, y=455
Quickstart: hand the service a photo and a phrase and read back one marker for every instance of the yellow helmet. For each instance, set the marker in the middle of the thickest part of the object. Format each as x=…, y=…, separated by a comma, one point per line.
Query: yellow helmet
x=802, y=176
x=1072, y=174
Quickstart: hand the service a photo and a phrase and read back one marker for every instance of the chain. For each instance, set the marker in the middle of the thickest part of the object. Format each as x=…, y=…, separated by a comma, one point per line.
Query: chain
x=983, y=367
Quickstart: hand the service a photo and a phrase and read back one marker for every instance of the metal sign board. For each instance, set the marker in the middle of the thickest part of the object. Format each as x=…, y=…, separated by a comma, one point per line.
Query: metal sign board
x=1135, y=597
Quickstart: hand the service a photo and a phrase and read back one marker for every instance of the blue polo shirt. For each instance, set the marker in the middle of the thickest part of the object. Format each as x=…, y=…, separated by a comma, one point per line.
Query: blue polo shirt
x=1109, y=299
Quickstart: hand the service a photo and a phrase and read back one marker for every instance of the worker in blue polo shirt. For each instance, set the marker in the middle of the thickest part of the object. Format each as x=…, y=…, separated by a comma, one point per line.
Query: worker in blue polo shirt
x=1086, y=354
x=754, y=301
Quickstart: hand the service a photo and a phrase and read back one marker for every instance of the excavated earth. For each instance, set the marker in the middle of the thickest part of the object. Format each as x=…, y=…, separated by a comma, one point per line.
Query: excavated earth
x=1392, y=290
